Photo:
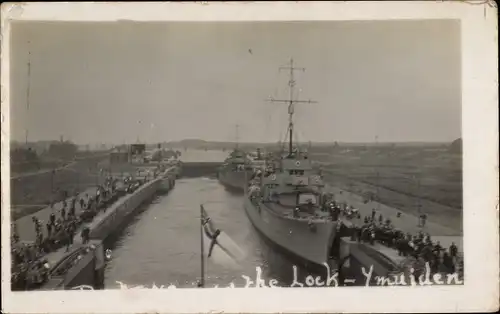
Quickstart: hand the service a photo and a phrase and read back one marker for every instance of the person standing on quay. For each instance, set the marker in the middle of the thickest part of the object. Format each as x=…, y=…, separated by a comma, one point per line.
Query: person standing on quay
x=72, y=209
x=63, y=212
x=49, y=230
x=85, y=235
x=70, y=233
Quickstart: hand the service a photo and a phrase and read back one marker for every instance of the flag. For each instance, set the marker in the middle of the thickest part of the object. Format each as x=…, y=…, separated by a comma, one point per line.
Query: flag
x=219, y=244
x=216, y=246
x=209, y=231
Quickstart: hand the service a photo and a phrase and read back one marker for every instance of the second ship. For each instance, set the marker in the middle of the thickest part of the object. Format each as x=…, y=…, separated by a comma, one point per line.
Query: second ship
x=237, y=169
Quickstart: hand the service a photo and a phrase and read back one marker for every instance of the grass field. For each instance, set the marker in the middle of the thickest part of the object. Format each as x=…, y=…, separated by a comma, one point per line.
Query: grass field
x=33, y=192
x=429, y=177
x=27, y=167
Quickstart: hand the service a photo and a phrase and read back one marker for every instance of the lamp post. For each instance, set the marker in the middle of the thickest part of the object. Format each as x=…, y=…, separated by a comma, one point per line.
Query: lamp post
x=53, y=172
x=77, y=183
x=416, y=193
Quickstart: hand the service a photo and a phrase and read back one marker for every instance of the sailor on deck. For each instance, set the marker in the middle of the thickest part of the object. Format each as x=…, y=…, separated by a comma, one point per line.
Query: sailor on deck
x=310, y=206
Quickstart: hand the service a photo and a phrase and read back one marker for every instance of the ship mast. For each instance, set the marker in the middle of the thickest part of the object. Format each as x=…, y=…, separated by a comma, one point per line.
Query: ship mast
x=237, y=136
x=291, y=102
x=28, y=90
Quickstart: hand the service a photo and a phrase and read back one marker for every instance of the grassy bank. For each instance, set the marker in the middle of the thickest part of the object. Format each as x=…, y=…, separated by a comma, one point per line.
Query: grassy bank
x=31, y=193
x=405, y=178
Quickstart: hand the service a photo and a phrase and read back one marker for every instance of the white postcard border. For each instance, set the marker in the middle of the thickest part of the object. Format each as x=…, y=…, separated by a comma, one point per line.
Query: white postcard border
x=480, y=162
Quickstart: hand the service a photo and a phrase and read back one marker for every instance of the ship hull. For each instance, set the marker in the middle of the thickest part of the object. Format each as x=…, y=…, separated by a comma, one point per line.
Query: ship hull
x=233, y=180
x=293, y=238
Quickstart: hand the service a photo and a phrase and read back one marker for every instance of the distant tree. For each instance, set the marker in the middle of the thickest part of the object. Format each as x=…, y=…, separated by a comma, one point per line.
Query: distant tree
x=64, y=150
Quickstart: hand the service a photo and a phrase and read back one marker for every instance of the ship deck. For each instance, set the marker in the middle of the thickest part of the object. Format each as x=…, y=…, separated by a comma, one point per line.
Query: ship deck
x=287, y=212
x=287, y=206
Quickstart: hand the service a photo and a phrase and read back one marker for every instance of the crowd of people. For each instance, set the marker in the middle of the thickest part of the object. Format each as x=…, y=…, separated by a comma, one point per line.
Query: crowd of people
x=29, y=265
x=419, y=248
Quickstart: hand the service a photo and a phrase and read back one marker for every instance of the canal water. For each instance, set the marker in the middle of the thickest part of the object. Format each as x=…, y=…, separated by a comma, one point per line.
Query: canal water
x=161, y=246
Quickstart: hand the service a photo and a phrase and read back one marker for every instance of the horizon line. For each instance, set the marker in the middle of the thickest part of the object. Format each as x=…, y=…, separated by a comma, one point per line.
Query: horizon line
x=239, y=142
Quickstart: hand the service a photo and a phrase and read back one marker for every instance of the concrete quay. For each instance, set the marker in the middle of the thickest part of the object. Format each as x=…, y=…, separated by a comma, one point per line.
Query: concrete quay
x=25, y=227
x=386, y=260
x=83, y=265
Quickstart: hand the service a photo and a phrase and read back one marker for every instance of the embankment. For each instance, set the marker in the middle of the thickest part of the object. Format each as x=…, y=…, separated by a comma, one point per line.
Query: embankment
x=31, y=192
x=85, y=266
x=108, y=222
x=82, y=267
x=364, y=259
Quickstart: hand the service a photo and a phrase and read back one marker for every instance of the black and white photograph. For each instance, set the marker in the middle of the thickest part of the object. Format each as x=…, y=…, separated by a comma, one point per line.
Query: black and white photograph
x=194, y=155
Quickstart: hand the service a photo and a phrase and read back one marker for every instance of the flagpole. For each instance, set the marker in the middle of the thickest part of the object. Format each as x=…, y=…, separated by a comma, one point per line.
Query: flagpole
x=202, y=248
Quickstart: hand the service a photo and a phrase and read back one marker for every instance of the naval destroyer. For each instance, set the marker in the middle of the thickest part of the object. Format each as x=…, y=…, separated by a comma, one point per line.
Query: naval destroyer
x=285, y=203
x=290, y=207
x=235, y=170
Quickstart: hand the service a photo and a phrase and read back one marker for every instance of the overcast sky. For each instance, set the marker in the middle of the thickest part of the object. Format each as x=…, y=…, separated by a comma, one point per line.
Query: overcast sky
x=117, y=82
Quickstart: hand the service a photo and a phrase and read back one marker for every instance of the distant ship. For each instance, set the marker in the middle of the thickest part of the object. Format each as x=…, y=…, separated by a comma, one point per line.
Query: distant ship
x=258, y=160
x=135, y=159
x=235, y=170
x=286, y=204
x=257, y=155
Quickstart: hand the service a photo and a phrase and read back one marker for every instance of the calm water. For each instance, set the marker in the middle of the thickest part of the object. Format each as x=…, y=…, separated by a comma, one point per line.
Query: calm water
x=162, y=244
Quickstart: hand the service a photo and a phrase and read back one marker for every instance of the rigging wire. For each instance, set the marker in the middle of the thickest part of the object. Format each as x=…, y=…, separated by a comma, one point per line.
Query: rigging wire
x=270, y=111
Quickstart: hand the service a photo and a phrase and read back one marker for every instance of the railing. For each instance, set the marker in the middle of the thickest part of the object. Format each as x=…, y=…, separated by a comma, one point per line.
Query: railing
x=383, y=260
x=61, y=266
